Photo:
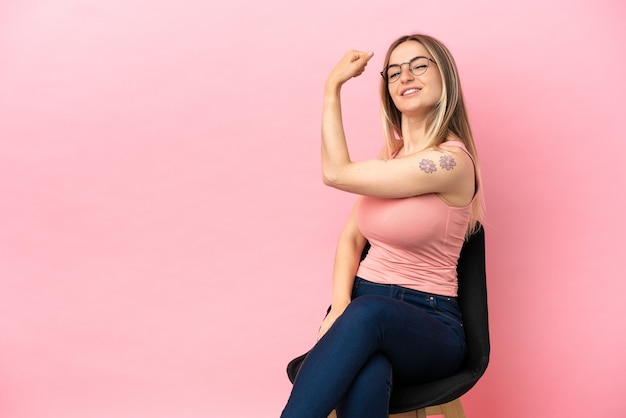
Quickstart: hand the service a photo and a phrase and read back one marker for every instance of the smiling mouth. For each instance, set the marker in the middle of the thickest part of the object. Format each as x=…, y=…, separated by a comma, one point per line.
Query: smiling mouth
x=410, y=91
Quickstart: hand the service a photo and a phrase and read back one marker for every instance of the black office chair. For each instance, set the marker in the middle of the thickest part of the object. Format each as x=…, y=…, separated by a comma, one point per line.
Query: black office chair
x=442, y=396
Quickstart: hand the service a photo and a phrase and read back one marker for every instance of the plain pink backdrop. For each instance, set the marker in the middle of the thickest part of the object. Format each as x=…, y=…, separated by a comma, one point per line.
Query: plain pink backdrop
x=165, y=240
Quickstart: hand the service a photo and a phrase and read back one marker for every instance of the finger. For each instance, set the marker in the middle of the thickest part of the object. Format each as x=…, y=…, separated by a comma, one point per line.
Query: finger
x=366, y=56
x=320, y=334
x=363, y=60
x=361, y=55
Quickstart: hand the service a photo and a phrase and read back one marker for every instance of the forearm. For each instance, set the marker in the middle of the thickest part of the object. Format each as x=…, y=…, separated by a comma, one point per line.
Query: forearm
x=347, y=260
x=335, y=154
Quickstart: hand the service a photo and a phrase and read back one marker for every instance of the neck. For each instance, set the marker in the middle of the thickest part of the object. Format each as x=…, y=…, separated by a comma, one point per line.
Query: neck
x=413, y=134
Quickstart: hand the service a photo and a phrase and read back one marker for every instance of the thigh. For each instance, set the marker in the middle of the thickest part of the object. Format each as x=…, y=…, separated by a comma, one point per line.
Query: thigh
x=420, y=347
x=417, y=342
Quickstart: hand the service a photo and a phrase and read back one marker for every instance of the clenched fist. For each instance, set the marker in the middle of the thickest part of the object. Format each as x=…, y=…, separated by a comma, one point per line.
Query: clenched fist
x=351, y=65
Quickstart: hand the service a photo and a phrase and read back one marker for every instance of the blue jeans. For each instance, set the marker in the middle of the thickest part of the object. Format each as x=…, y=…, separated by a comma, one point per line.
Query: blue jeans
x=387, y=334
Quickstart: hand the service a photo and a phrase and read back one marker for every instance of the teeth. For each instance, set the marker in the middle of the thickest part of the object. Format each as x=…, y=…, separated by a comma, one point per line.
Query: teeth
x=409, y=91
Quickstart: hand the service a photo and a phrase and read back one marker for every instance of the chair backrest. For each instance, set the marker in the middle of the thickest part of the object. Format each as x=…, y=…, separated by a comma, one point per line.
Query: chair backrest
x=472, y=275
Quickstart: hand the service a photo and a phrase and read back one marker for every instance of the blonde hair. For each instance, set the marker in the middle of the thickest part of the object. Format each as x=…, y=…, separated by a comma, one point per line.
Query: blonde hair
x=447, y=117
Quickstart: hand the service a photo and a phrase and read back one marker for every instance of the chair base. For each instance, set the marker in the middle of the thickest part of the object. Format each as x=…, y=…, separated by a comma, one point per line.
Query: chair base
x=452, y=409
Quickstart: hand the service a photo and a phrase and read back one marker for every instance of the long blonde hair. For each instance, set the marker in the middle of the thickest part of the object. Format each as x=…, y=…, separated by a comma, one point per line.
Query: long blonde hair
x=447, y=117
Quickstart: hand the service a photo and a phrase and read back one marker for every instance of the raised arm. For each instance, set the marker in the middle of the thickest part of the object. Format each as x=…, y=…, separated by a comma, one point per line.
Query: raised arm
x=442, y=171
x=335, y=154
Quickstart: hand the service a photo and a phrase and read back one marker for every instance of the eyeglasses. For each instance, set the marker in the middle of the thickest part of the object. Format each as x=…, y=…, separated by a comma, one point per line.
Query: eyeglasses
x=417, y=67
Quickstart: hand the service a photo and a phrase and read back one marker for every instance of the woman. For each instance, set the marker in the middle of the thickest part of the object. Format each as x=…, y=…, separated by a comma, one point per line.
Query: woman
x=394, y=316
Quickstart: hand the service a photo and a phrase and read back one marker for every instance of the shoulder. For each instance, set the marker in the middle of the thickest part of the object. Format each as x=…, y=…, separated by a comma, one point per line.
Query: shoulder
x=455, y=149
x=453, y=143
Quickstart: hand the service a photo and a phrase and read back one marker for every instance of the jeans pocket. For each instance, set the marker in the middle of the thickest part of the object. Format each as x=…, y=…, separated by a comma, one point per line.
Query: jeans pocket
x=447, y=309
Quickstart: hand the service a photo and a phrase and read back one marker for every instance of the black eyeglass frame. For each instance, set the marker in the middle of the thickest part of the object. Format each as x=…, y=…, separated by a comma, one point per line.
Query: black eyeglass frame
x=384, y=72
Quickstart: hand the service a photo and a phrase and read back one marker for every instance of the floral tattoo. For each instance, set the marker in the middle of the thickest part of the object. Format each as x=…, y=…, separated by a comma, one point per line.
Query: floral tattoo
x=447, y=162
x=428, y=166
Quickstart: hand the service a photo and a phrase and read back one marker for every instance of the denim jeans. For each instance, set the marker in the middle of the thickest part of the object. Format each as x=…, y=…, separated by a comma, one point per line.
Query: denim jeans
x=387, y=334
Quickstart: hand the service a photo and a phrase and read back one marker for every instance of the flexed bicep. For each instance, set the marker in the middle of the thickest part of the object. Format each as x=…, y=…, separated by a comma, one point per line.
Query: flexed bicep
x=431, y=171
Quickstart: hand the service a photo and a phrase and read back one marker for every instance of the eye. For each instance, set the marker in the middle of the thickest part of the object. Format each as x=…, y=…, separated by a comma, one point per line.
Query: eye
x=393, y=72
x=418, y=65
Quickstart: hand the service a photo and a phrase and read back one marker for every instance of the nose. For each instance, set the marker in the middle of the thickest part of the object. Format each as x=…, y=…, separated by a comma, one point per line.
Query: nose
x=405, y=74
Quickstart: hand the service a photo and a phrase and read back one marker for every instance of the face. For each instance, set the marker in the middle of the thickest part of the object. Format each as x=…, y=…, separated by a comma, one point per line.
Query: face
x=414, y=95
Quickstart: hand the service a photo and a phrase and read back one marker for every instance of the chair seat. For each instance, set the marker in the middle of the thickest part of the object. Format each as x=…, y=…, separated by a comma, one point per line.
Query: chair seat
x=412, y=397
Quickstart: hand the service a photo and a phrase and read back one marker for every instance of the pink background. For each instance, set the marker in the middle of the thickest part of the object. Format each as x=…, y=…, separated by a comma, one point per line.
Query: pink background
x=166, y=242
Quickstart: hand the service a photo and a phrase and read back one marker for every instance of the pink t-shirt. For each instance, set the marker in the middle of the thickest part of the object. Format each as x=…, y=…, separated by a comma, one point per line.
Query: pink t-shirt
x=415, y=241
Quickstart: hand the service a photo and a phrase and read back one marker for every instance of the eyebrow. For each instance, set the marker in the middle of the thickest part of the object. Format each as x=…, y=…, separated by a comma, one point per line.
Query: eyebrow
x=406, y=62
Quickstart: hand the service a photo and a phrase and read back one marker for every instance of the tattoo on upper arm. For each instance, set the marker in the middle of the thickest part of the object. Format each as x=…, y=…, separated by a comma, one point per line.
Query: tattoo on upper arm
x=428, y=166
x=447, y=162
